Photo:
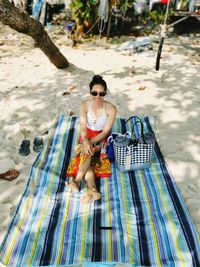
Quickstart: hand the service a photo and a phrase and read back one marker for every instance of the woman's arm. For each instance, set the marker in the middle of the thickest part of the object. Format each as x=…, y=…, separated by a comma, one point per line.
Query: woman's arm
x=82, y=113
x=87, y=146
x=112, y=111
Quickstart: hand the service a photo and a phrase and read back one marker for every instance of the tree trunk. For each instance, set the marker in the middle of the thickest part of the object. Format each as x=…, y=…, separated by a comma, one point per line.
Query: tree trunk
x=22, y=22
x=21, y=4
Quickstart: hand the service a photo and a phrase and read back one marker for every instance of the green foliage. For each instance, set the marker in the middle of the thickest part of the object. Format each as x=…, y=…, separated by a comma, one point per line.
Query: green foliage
x=151, y=20
x=157, y=16
x=84, y=12
x=123, y=4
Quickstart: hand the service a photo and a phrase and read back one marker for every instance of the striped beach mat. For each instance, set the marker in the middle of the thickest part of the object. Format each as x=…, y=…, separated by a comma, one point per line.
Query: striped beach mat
x=141, y=219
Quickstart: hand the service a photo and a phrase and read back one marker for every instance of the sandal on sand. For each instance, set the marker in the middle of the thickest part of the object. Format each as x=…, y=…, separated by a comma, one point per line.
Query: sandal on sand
x=10, y=175
x=24, y=148
x=37, y=144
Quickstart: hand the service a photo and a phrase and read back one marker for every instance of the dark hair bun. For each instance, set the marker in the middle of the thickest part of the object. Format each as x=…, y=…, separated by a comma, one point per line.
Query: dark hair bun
x=97, y=79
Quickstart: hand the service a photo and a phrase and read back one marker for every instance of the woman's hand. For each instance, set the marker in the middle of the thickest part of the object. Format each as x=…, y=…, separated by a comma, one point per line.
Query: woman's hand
x=87, y=147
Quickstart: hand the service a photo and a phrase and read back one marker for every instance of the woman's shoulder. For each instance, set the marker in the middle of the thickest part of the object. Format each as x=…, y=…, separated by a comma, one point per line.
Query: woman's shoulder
x=85, y=104
x=110, y=107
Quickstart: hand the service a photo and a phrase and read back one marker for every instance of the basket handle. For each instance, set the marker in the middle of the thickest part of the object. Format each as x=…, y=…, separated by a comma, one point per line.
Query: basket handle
x=111, y=139
x=141, y=124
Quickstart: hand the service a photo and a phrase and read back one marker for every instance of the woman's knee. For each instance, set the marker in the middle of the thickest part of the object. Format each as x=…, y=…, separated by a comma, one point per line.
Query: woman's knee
x=89, y=174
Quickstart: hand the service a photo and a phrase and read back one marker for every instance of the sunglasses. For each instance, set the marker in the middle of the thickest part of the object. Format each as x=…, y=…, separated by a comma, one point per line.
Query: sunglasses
x=95, y=93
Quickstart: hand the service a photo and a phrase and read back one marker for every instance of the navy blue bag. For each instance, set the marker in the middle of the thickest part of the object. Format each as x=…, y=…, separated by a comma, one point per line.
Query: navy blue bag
x=110, y=149
x=110, y=141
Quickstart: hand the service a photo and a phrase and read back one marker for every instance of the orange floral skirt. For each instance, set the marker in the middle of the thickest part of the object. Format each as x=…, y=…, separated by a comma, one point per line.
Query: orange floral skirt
x=99, y=161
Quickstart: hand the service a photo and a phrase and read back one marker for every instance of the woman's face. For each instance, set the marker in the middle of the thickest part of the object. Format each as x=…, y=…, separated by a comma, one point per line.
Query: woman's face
x=98, y=92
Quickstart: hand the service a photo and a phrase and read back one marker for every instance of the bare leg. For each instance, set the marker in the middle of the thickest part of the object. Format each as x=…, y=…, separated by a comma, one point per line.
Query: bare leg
x=92, y=193
x=75, y=184
x=83, y=169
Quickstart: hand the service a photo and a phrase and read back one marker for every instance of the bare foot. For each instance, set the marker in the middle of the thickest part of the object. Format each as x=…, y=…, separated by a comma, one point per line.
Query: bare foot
x=86, y=199
x=74, y=186
x=95, y=194
x=91, y=196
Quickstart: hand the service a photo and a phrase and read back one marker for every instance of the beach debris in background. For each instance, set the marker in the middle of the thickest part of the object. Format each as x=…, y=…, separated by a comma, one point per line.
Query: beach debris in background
x=142, y=87
x=10, y=175
x=133, y=71
x=72, y=87
x=46, y=132
x=66, y=93
x=139, y=45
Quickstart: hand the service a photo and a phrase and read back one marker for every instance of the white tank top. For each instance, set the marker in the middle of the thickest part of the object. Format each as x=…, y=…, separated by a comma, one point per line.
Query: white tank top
x=96, y=124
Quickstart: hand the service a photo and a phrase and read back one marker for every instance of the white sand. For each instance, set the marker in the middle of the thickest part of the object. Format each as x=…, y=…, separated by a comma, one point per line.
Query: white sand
x=31, y=96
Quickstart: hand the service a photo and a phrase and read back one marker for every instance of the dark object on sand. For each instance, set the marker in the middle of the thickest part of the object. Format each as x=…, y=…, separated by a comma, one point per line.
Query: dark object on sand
x=10, y=175
x=37, y=144
x=24, y=148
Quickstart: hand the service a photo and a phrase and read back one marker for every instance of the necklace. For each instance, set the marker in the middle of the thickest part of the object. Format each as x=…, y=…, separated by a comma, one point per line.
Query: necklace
x=94, y=119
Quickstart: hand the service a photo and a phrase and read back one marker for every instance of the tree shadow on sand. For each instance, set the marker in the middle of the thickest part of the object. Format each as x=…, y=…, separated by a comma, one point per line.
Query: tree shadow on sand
x=176, y=106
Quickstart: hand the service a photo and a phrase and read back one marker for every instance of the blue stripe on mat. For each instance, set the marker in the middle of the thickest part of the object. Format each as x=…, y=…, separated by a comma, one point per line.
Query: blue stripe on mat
x=148, y=219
